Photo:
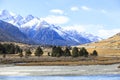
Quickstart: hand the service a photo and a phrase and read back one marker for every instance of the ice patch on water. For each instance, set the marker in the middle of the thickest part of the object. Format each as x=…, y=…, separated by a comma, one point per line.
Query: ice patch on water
x=13, y=73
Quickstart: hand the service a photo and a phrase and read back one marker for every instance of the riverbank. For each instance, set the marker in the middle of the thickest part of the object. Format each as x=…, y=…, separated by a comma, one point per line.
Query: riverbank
x=55, y=61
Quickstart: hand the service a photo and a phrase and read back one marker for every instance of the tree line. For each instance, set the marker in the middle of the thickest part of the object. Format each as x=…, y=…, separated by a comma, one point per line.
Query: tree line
x=57, y=51
x=15, y=49
x=9, y=49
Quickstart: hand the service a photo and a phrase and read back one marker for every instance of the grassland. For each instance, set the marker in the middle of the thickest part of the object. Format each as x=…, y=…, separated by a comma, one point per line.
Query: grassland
x=108, y=53
x=107, y=47
x=51, y=61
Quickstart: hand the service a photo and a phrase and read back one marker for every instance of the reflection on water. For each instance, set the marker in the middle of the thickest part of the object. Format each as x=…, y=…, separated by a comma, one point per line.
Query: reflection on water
x=98, y=77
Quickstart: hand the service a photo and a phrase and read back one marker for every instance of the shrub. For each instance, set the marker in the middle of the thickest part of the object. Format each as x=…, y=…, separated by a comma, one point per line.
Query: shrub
x=21, y=55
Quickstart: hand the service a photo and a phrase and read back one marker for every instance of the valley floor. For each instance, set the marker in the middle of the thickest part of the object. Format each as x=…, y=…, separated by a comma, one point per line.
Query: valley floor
x=53, y=61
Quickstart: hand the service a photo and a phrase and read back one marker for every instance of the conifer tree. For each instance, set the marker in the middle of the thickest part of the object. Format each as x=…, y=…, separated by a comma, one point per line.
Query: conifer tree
x=95, y=53
x=28, y=53
x=57, y=52
x=83, y=52
x=75, y=52
x=67, y=52
x=38, y=52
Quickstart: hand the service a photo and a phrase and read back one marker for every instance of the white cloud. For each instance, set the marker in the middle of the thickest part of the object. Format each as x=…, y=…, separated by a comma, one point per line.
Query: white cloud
x=90, y=28
x=103, y=11
x=74, y=8
x=57, y=11
x=95, y=29
x=107, y=33
x=52, y=19
x=78, y=28
x=85, y=8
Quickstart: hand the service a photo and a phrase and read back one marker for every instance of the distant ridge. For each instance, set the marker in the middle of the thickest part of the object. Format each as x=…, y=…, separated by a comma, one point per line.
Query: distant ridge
x=41, y=32
x=9, y=32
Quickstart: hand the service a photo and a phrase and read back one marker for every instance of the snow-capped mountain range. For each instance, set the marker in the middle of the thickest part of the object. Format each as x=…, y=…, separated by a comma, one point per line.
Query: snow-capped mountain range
x=42, y=32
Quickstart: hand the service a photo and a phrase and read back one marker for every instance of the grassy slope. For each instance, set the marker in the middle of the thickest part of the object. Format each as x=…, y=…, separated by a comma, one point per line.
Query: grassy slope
x=107, y=47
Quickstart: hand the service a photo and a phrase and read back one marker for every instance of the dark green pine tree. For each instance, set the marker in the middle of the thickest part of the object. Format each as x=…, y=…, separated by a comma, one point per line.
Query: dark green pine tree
x=95, y=53
x=67, y=52
x=21, y=53
x=28, y=53
x=12, y=48
x=83, y=52
x=53, y=54
x=57, y=52
x=1, y=48
x=38, y=52
x=75, y=52
x=17, y=49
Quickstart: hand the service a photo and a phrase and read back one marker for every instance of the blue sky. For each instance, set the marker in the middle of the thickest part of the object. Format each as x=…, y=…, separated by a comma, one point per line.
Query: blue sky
x=99, y=17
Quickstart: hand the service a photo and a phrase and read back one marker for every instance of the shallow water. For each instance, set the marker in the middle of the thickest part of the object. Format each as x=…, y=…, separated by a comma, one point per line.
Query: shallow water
x=97, y=77
x=91, y=72
x=11, y=70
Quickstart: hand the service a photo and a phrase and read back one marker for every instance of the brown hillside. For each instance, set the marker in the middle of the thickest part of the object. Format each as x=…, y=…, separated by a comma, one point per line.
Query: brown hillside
x=107, y=47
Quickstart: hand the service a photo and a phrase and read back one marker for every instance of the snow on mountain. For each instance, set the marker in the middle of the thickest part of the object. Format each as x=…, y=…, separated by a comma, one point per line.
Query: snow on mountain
x=91, y=37
x=29, y=17
x=5, y=15
x=45, y=33
x=31, y=23
x=9, y=32
x=78, y=35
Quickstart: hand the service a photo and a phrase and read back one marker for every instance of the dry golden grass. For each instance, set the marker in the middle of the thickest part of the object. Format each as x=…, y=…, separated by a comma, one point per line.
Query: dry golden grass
x=108, y=51
x=107, y=47
x=51, y=61
x=95, y=62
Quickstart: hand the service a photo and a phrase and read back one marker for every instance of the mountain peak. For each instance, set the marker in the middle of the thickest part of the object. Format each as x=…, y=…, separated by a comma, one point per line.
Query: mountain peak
x=6, y=13
x=29, y=17
x=44, y=22
x=42, y=32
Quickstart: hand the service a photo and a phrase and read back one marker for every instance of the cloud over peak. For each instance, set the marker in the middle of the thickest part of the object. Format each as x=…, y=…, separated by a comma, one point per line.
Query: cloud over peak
x=77, y=27
x=57, y=11
x=108, y=33
x=52, y=19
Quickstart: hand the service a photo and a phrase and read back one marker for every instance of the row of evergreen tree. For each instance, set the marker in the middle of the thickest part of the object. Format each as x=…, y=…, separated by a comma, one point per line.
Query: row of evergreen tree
x=57, y=52
x=9, y=49
x=38, y=52
x=15, y=49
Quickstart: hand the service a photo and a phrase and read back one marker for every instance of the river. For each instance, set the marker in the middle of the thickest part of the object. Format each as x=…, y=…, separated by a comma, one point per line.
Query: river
x=91, y=72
